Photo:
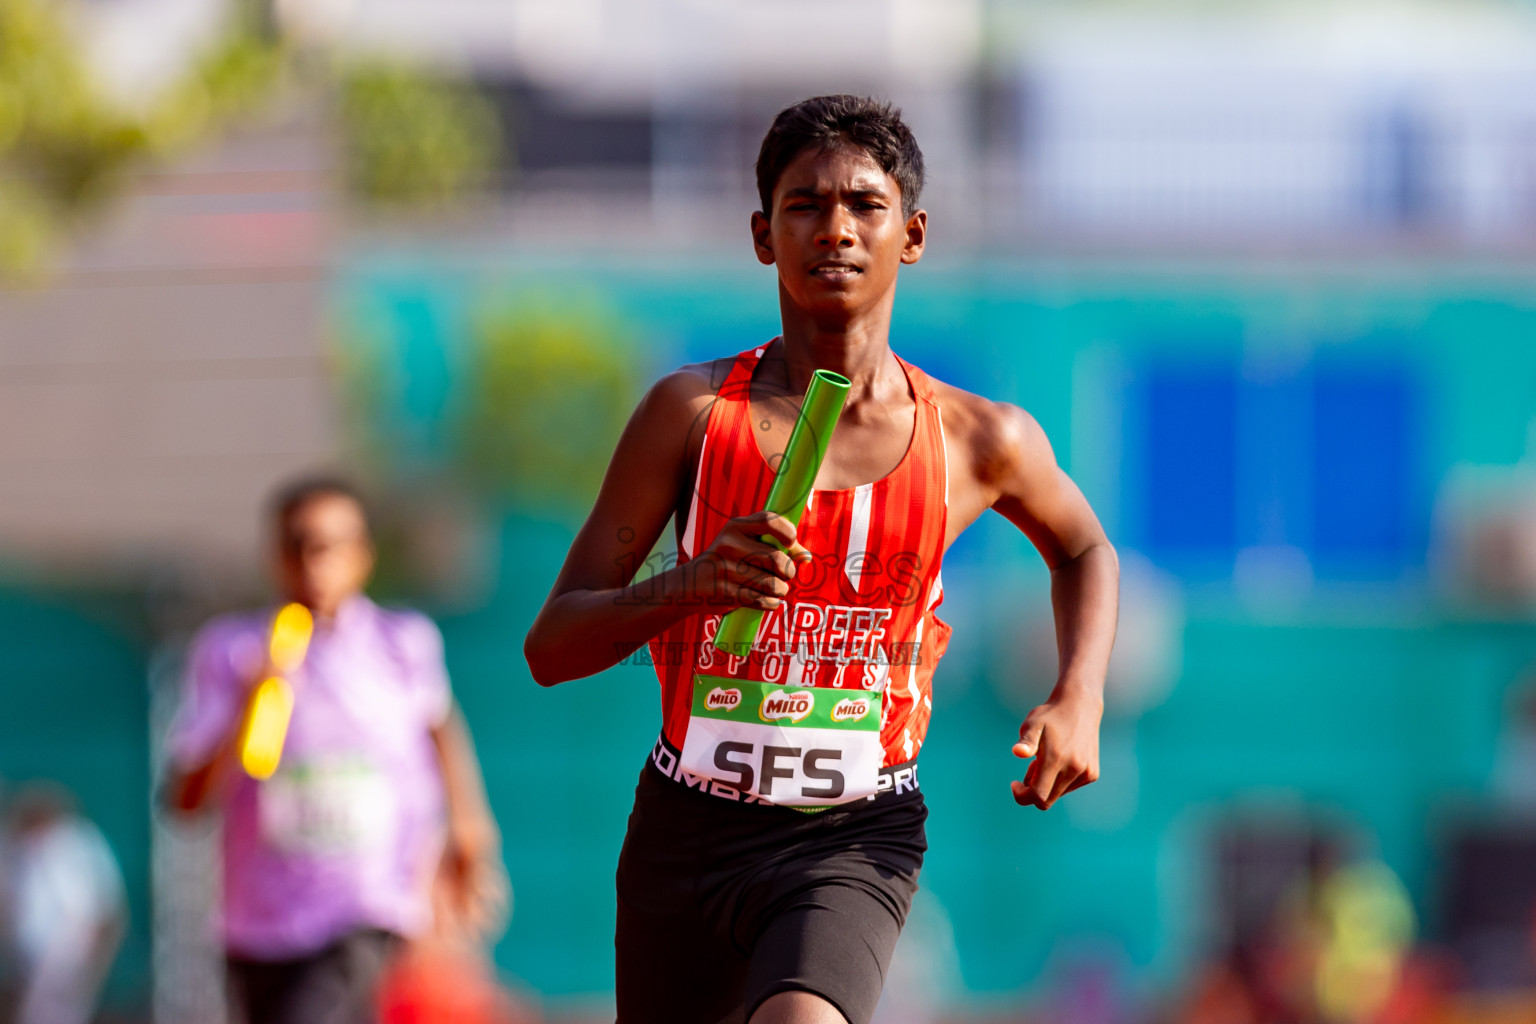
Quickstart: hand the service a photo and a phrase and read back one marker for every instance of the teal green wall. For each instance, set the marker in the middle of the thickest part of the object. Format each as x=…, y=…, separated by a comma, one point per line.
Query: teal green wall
x=76, y=711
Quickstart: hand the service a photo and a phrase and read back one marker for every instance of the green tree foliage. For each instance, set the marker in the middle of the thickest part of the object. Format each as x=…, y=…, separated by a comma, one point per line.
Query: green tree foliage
x=520, y=408
x=65, y=147
x=58, y=145
x=411, y=139
x=546, y=394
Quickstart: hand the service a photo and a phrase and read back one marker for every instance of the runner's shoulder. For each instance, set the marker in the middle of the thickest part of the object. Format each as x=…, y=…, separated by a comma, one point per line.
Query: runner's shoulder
x=693, y=381
x=232, y=628
x=411, y=636
x=678, y=397
x=994, y=438
x=409, y=625
x=233, y=642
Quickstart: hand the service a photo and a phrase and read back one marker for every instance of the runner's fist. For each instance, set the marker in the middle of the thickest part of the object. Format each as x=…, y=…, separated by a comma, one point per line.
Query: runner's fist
x=1062, y=735
x=740, y=569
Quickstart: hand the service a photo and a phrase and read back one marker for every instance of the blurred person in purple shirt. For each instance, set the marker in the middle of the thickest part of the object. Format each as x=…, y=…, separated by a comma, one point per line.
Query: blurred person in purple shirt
x=328, y=864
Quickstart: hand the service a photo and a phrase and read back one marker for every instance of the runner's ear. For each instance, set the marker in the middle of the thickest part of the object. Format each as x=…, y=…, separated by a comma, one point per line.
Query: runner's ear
x=762, y=244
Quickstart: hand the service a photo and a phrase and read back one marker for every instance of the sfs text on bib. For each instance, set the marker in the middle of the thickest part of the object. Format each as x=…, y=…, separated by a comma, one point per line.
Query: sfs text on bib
x=796, y=746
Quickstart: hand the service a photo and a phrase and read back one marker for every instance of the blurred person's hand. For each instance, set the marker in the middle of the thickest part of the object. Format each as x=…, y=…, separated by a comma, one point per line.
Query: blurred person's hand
x=471, y=889
x=192, y=790
x=477, y=889
x=1062, y=735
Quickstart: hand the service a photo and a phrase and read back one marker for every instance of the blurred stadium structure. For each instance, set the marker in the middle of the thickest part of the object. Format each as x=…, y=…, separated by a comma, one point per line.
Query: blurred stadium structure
x=1263, y=271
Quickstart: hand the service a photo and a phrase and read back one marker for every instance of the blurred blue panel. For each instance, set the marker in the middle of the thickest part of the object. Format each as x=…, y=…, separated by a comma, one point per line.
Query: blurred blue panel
x=1191, y=461
x=1274, y=473
x=1364, y=437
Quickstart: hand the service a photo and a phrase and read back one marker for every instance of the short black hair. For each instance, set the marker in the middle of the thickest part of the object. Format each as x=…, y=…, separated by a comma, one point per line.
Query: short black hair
x=293, y=495
x=874, y=126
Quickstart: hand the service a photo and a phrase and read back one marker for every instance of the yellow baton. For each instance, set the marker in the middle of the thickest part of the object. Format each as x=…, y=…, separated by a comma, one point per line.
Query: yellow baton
x=266, y=721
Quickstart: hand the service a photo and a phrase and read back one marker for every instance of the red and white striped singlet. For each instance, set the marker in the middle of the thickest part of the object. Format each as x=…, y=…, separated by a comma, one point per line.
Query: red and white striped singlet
x=862, y=616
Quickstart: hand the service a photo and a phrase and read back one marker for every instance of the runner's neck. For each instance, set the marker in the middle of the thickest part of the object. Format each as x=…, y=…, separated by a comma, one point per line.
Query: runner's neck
x=872, y=369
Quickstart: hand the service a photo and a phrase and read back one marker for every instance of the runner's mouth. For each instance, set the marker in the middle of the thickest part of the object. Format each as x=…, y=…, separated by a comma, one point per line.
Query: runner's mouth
x=835, y=270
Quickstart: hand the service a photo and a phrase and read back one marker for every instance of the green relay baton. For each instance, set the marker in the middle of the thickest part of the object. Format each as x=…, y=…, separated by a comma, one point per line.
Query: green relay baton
x=792, y=486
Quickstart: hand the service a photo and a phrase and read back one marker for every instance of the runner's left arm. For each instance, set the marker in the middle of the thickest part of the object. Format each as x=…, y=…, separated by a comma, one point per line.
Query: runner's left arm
x=1062, y=734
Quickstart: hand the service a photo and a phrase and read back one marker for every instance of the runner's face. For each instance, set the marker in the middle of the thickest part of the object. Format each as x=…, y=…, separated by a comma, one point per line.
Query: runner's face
x=837, y=232
x=324, y=553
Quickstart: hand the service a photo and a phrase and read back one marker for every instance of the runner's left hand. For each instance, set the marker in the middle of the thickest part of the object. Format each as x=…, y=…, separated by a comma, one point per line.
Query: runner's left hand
x=1062, y=735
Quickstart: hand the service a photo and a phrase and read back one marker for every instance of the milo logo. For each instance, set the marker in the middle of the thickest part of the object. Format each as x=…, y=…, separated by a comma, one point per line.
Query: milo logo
x=850, y=709
x=721, y=699
x=793, y=706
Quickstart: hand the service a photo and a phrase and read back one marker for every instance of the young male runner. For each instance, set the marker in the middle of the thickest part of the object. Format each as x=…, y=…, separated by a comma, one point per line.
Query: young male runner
x=735, y=904
x=330, y=863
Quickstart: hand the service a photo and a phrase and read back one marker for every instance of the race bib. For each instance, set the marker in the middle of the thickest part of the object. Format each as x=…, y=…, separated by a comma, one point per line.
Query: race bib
x=797, y=746
x=335, y=806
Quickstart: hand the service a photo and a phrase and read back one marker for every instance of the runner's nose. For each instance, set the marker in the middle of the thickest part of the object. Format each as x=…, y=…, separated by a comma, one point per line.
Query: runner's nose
x=836, y=229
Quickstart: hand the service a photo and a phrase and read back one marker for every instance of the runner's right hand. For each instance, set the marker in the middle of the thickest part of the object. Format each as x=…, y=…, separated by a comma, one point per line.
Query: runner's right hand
x=740, y=570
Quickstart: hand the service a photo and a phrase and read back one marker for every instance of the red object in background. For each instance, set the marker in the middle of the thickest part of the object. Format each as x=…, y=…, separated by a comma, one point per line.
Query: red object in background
x=437, y=984
x=1423, y=992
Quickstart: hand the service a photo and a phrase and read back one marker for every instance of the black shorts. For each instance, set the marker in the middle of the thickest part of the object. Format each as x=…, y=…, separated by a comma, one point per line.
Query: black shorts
x=723, y=904
x=337, y=985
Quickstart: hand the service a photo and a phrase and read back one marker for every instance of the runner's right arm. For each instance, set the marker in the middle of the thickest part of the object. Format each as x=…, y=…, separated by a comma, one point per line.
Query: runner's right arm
x=595, y=615
x=188, y=790
x=202, y=749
